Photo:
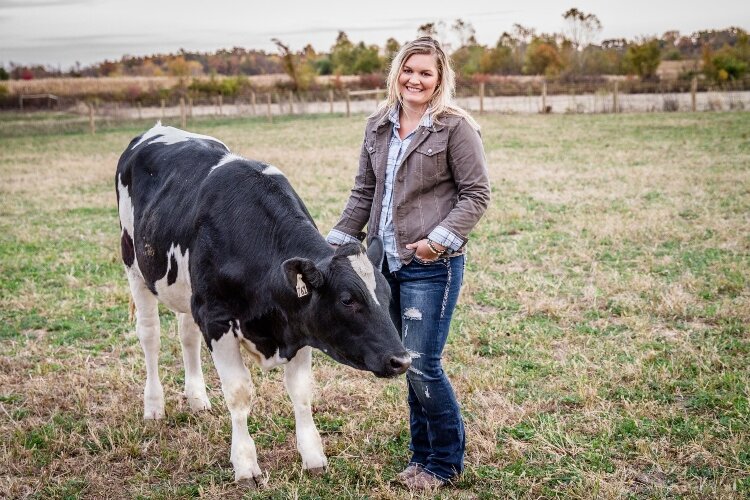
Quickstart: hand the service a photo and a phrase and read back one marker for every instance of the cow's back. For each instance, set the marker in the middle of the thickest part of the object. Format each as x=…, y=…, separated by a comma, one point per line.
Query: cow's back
x=159, y=177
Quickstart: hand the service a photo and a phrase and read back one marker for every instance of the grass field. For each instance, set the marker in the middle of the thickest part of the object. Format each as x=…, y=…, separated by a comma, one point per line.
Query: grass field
x=600, y=347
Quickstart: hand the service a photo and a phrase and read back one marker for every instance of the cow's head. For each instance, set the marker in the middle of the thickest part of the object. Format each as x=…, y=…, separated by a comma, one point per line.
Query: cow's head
x=345, y=308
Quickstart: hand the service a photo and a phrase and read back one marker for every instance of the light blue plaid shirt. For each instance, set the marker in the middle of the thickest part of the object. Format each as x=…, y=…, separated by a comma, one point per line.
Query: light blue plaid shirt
x=396, y=150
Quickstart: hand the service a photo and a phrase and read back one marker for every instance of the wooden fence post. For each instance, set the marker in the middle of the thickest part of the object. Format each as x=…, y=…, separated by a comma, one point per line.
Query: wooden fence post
x=348, y=104
x=252, y=102
x=183, y=113
x=221, y=104
x=544, y=96
x=616, y=98
x=117, y=110
x=163, y=104
x=190, y=107
x=693, y=97
x=140, y=111
x=291, y=102
x=92, y=124
x=330, y=99
x=481, y=98
x=268, y=108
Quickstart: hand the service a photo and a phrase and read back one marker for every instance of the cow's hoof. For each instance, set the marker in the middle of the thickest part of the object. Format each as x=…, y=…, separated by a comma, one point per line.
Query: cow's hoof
x=316, y=471
x=199, y=404
x=154, y=414
x=250, y=483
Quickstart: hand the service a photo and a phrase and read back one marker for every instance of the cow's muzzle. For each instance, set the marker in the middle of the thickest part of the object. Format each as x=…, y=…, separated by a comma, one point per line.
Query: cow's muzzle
x=396, y=365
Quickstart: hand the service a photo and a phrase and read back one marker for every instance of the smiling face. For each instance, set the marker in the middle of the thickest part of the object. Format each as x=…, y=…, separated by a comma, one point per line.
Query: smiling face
x=418, y=80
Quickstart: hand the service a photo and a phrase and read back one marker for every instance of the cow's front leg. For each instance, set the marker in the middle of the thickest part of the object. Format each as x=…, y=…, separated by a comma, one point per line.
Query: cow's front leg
x=298, y=382
x=238, y=393
x=147, y=330
x=195, y=386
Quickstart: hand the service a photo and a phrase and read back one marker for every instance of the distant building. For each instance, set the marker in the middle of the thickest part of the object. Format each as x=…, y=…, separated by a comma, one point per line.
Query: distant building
x=672, y=70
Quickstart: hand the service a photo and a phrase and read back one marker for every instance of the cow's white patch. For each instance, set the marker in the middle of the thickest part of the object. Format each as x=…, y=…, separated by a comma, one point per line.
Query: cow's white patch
x=271, y=170
x=227, y=158
x=363, y=267
x=127, y=221
x=259, y=358
x=191, y=340
x=148, y=332
x=412, y=313
x=177, y=295
x=125, y=207
x=298, y=383
x=238, y=393
x=171, y=135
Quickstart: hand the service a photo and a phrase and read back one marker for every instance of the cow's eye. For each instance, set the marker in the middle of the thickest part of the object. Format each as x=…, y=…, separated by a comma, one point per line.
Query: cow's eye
x=347, y=300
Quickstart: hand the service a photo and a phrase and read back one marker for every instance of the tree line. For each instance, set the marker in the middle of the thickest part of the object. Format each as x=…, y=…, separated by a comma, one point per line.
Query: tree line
x=569, y=55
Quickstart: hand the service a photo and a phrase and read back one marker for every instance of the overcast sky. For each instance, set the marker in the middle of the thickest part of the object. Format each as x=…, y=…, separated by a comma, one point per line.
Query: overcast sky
x=61, y=32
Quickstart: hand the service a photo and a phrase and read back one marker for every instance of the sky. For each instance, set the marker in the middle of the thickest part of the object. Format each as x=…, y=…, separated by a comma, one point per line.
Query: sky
x=59, y=33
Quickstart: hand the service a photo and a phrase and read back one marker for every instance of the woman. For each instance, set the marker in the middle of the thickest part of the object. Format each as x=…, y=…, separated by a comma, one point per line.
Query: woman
x=422, y=185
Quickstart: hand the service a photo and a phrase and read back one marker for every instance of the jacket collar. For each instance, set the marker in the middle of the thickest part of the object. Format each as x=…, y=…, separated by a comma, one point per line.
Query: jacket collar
x=391, y=116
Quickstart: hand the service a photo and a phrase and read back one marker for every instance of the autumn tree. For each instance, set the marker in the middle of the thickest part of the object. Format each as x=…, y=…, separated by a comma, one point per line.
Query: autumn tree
x=643, y=58
x=366, y=59
x=498, y=60
x=468, y=59
x=543, y=57
x=392, y=46
x=177, y=66
x=342, y=55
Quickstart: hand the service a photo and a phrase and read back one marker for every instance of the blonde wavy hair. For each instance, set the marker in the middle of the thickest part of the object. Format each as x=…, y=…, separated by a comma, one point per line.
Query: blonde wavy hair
x=442, y=101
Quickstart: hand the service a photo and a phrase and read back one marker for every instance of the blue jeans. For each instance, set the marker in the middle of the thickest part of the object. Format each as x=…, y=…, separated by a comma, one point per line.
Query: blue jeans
x=423, y=298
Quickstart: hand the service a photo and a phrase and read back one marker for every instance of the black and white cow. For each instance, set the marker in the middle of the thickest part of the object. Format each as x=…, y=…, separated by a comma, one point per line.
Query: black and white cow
x=228, y=245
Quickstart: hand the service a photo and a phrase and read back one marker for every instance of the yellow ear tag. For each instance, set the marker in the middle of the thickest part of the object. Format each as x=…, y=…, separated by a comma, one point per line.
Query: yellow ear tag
x=301, y=287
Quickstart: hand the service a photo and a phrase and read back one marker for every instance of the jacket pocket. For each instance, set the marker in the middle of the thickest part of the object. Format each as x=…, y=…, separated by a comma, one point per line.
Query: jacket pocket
x=431, y=159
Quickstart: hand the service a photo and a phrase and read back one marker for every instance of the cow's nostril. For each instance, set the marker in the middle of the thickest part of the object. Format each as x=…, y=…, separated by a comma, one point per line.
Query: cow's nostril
x=400, y=364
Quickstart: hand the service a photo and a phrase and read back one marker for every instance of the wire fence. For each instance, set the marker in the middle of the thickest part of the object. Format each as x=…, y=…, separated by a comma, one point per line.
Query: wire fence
x=532, y=95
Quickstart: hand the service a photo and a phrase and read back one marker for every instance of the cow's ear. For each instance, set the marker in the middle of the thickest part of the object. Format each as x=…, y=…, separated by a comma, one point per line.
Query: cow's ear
x=375, y=252
x=302, y=275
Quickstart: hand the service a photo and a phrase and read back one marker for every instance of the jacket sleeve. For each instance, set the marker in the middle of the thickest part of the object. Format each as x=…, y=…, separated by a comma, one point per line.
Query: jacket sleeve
x=357, y=210
x=468, y=165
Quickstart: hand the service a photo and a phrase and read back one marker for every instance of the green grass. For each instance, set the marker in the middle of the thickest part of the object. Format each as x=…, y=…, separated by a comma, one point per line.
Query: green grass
x=599, y=348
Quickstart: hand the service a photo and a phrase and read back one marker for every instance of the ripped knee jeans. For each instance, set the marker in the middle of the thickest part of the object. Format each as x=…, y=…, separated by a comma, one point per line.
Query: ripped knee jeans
x=424, y=296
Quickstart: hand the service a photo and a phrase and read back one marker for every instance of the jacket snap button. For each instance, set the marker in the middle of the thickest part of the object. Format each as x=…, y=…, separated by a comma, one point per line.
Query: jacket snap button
x=371, y=148
x=429, y=150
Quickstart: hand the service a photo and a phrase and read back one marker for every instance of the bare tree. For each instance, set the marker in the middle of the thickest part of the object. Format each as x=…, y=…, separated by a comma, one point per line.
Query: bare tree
x=465, y=32
x=289, y=62
x=427, y=29
x=582, y=28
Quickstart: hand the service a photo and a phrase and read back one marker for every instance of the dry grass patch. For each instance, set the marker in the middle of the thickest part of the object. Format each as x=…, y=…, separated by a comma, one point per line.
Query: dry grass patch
x=599, y=348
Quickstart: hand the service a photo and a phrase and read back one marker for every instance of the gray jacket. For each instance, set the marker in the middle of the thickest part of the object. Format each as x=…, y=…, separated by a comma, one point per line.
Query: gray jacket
x=442, y=180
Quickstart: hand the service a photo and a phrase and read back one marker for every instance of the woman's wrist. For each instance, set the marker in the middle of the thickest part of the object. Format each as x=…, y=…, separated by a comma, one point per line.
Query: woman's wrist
x=434, y=248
